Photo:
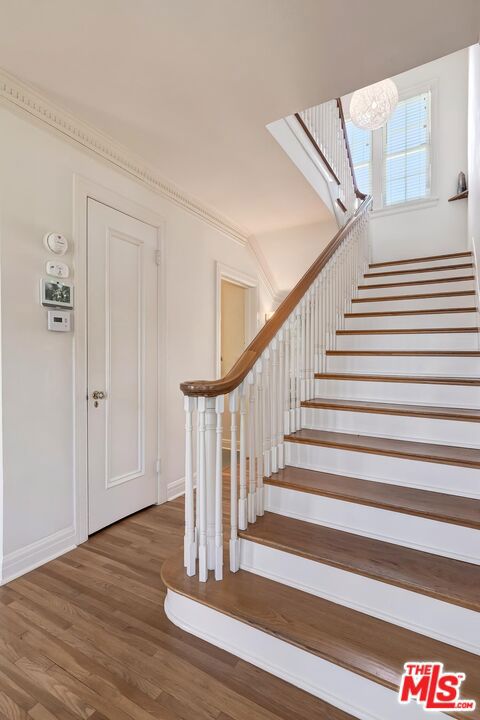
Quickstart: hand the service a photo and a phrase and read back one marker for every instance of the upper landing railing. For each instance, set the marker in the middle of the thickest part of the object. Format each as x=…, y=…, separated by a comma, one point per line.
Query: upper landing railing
x=326, y=128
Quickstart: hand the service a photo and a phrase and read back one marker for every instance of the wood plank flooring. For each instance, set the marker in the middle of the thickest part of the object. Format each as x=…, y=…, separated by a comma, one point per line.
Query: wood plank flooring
x=85, y=636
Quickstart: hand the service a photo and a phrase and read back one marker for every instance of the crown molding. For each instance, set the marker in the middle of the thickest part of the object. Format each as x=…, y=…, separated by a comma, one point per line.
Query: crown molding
x=16, y=92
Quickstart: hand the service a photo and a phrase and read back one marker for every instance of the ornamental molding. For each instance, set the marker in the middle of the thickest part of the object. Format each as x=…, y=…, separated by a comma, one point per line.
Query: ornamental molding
x=16, y=92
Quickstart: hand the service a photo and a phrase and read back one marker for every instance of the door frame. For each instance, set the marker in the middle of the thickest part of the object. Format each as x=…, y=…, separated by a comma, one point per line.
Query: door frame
x=85, y=189
x=250, y=283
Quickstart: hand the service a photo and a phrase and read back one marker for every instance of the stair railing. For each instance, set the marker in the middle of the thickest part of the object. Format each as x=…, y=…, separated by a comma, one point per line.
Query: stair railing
x=326, y=129
x=266, y=386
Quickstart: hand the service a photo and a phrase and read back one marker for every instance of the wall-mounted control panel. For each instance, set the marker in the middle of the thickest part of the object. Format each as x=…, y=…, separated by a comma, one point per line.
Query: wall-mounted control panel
x=59, y=320
x=57, y=269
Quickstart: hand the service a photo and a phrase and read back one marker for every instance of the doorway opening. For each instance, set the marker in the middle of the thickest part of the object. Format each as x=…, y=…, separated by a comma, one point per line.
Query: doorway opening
x=236, y=325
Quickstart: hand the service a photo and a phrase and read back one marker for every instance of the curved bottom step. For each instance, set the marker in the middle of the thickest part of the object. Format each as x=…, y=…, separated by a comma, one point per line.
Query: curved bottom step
x=333, y=652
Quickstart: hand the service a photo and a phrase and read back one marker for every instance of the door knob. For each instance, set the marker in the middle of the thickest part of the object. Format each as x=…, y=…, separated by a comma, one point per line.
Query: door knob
x=98, y=395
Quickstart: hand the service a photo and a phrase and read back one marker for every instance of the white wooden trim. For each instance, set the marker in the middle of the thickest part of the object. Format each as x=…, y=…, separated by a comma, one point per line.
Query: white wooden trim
x=366, y=700
x=83, y=189
x=423, y=614
x=37, y=553
x=16, y=92
x=225, y=272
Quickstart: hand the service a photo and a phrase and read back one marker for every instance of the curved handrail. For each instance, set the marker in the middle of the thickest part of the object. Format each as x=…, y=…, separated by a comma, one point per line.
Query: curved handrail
x=246, y=361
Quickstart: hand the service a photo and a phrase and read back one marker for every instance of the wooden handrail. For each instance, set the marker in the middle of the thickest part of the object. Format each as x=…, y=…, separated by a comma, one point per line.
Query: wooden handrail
x=358, y=193
x=245, y=363
x=317, y=148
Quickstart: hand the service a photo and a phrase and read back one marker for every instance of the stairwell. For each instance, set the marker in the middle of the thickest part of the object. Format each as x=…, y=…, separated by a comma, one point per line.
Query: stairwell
x=353, y=495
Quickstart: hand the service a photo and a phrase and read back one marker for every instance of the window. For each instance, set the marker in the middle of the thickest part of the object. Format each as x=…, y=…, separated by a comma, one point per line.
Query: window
x=407, y=152
x=360, y=142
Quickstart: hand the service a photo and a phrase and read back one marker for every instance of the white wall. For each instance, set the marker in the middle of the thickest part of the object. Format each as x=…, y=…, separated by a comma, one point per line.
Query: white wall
x=290, y=252
x=474, y=150
x=36, y=195
x=442, y=226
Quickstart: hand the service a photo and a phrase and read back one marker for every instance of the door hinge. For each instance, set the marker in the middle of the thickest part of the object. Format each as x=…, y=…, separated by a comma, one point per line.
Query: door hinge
x=158, y=465
x=158, y=257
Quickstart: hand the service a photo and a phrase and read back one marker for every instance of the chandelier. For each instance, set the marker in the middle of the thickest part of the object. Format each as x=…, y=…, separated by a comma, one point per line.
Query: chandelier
x=371, y=106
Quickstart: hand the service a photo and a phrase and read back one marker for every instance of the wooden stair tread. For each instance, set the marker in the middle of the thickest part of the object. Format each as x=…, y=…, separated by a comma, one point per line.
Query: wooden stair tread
x=410, y=450
x=452, y=509
x=369, y=647
x=410, y=331
x=422, y=259
x=397, y=313
x=424, y=411
x=385, y=298
x=421, y=353
x=417, y=379
x=464, y=278
x=441, y=268
x=442, y=578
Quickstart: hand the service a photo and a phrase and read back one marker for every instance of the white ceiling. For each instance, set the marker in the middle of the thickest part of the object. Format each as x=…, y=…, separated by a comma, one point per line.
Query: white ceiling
x=191, y=84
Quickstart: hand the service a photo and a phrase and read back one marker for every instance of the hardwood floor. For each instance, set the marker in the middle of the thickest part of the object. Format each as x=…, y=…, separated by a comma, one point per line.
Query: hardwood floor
x=85, y=636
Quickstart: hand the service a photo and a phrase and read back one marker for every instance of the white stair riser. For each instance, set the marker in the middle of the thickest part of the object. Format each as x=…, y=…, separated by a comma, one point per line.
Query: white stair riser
x=428, y=303
x=411, y=276
x=421, y=264
x=456, y=366
x=409, y=341
x=461, y=396
x=439, y=287
x=441, y=432
x=438, y=538
x=365, y=700
x=396, y=322
x=440, y=620
x=451, y=479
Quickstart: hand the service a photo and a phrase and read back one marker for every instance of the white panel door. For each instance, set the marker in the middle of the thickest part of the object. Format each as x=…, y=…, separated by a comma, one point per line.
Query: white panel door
x=122, y=365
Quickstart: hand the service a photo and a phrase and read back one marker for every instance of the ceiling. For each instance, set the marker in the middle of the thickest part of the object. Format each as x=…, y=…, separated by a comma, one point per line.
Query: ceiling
x=191, y=84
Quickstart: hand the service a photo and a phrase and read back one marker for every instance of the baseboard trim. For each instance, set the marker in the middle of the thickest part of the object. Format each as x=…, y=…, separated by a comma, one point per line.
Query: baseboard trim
x=176, y=488
x=37, y=553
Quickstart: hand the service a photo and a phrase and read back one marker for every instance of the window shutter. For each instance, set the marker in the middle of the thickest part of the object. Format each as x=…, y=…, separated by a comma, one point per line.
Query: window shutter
x=360, y=142
x=407, y=151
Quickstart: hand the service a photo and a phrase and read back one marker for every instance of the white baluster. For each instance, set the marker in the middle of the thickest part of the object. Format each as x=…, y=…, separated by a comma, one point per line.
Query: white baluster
x=242, y=502
x=287, y=390
x=210, y=465
x=303, y=360
x=234, y=542
x=190, y=550
x=252, y=499
x=202, y=493
x=298, y=368
x=313, y=317
x=260, y=503
x=274, y=404
x=267, y=394
x=219, y=406
x=280, y=402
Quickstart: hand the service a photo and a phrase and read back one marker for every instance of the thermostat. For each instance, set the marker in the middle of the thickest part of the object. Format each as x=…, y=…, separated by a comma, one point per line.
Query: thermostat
x=57, y=269
x=56, y=243
x=59, y=320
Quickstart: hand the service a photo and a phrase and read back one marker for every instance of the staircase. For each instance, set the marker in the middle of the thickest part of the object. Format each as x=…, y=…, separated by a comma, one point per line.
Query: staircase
x=368, y=552
x=353, y=502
